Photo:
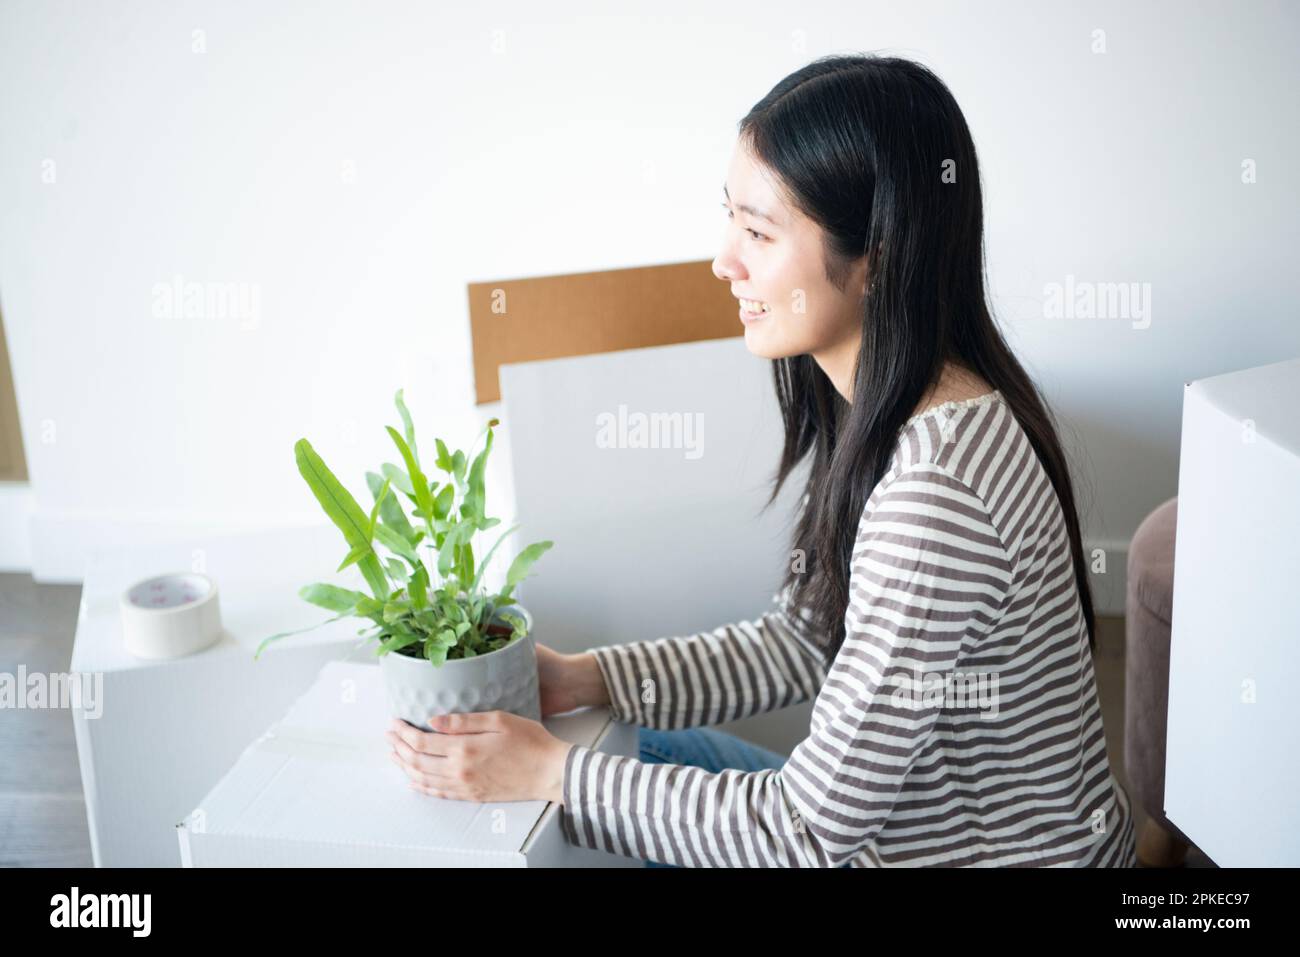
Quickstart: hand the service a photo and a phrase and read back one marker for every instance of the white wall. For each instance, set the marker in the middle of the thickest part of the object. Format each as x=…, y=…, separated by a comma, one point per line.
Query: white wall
x=359, y=163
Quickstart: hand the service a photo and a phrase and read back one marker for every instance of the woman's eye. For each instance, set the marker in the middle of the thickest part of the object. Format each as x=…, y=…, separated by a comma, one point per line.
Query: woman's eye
x=753, y=233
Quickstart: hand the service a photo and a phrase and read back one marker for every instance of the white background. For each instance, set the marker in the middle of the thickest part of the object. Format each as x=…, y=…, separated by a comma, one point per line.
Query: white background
x=579, y=137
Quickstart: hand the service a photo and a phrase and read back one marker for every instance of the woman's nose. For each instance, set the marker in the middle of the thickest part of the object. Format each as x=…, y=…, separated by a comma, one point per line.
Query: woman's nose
x=726, y=268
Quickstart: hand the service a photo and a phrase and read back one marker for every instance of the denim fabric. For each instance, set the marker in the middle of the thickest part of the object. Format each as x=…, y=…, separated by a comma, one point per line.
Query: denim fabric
x=704, y=748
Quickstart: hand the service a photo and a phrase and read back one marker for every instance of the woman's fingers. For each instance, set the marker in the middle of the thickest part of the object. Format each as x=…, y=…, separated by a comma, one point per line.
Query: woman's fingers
x=435, y=792
x=432, y=784
x=417, y=759
x=420, y=776
x=426, y=742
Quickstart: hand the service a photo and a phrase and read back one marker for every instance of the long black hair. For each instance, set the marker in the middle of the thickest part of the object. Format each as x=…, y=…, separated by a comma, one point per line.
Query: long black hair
x=876, y=151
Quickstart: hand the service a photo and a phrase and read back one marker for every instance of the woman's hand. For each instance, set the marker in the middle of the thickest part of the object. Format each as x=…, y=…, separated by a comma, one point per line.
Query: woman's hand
x=566, y=682
x=496, y=755
x=482, y=757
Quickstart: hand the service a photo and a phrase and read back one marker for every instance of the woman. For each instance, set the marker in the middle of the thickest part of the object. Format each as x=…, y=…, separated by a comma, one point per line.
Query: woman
x=937, y=610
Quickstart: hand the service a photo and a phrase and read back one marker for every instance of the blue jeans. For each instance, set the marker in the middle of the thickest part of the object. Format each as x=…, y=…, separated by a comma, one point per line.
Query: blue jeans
x=704, y=748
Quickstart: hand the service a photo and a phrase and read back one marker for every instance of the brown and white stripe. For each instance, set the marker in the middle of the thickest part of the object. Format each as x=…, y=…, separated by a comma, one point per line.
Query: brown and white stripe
x=961, y=579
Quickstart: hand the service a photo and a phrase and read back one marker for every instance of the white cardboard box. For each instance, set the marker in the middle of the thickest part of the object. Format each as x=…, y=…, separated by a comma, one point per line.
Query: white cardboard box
x=1232, y=771
x=652, y=541
x=318, y=789
x=167, y=730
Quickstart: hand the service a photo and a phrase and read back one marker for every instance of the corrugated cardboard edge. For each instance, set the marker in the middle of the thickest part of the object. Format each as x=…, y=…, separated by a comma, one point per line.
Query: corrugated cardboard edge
x=556, y=317
x=235, y=850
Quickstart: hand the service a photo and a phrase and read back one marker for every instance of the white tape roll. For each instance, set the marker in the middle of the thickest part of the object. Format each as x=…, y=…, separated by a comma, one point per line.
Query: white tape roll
x=170, y=616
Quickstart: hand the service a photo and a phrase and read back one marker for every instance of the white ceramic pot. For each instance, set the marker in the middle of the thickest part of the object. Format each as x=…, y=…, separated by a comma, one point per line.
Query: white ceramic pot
x=503, y=680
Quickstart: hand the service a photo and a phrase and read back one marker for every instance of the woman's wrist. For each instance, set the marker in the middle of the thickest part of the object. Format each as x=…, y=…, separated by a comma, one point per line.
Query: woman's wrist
x=588, y=681
x=553, y=789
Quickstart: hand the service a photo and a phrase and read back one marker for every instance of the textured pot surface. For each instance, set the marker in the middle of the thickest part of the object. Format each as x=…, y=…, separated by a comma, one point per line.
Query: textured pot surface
x=505, y=680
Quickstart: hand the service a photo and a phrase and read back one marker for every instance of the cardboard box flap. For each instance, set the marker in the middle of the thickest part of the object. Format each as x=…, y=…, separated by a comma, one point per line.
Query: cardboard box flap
x=322, y=775
x=551, y=317
x=1265, y=399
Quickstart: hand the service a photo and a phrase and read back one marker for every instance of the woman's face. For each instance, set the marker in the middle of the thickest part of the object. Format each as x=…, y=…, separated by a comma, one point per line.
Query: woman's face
x=772, y=254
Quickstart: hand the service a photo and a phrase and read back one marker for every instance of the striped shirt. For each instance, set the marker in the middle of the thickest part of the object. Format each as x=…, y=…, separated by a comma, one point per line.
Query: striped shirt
x=958, y=724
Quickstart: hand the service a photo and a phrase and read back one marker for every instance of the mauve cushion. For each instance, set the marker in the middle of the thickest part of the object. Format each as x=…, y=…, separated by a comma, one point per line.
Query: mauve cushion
x=1151, y=561
x=1148, y=612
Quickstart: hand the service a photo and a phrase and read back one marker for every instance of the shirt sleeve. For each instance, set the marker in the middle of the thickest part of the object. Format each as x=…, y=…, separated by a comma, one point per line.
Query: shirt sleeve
x=728, y=673
x=929, y=574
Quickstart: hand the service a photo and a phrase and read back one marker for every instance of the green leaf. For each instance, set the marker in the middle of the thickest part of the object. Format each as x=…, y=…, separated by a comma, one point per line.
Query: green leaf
x=396, y=544
x=427, y=621
x=394, y=642
x=418, y=588
x=418, y=482
x=437, y=654
x=396, y=610
x=390, y=509
x=342, y=510
x=361, y=551
x=442, y=504
x=444, y=457
x=330, y=597
x=285, y=634
x=523, y=562
x=447, y=605
x=379, y=498
x=466, y=570
x=475, y=495
x=407, y=425
x=517, y=624
x=398, y=478
x=458, y=465
x=397, y=571
x=446, y=555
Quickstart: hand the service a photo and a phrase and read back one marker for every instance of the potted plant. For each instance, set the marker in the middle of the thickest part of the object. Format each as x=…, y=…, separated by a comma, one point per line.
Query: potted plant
x=446, y=642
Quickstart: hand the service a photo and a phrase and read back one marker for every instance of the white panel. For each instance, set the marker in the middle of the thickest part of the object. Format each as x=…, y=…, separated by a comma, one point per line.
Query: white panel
x=651, y=542
x=1233, y=763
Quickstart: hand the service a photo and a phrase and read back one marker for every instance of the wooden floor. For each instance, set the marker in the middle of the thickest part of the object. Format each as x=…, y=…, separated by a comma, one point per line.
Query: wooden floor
x=43, y=815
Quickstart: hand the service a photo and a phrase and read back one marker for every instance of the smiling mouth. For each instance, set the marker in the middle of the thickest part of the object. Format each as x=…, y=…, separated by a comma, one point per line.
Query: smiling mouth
x=753, y=307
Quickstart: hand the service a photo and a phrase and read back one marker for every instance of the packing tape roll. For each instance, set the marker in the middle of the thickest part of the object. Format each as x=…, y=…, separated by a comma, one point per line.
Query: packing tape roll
x=170, y=616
